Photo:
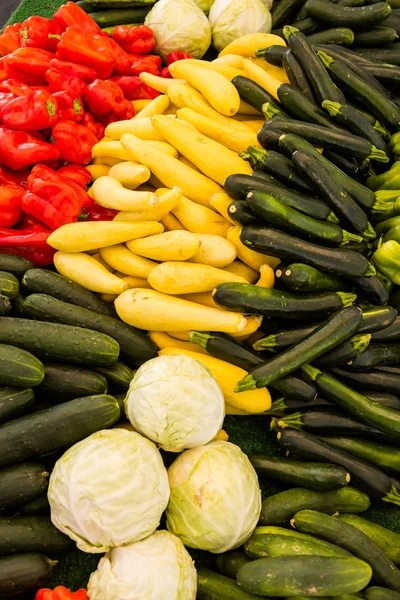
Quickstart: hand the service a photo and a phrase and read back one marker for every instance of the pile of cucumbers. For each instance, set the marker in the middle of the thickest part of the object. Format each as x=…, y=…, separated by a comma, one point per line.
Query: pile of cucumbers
x=66, y=362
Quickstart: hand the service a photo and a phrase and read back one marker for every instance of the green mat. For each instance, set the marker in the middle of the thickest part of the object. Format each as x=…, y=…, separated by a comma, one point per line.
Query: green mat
x=250, y=433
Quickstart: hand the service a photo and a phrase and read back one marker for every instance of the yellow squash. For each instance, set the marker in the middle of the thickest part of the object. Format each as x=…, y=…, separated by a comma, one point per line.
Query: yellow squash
x=97, y=171
x=139, y=105
x=226, y=70
x=188, y=278
x=142, y=128
x=250, y=257
x=148, y=309
x=221, y=435
x=84, y=236
x=165, y=147
x=263, y=78
x=161, y=84
x=170, y=245
x=133, y=282
x=110, y=193
x=171, y=223
x=227, y=375
x=166, y=203
x=267, y=277
x=213, y=159
x=163, y=340
x=97, y=257
x=121, y=258
x=240, y=268
x=88, y=272
x=171, y=171
x=221, y=203
x=233, y=60
x=113, y=149
x=246, y=109
x=216, y=89
x=253, y=324
x=247, y=45
x=130, y=174
x=214, y=250
x=156, y=107
x=203, y=298
x=255, y=125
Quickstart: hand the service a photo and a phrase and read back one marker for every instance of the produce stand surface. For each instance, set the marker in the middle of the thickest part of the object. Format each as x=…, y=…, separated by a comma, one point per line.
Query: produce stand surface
x=250, y=433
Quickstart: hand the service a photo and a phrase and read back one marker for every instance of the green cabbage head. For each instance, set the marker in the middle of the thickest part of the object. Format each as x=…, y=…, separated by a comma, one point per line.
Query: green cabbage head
x=230, y=19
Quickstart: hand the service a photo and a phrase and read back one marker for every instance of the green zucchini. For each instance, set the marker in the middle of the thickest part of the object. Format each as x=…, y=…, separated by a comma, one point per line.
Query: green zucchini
x=22, y=483
x=21, y=575
x=295, y=387
x=376, y=453
x=319, y=79
x=375, y=37
x=305, y=279
x=253, y=94
x=55, y=428
x=388, y=54
x=37, y=506
x=295, y=73
x=31, y=534
x=316, y=476
x=239, y=211
x=5, y=306
x=362, y=17
x=346, y=352
x=380, y=593
x=53, y=284
x=275, y=545
x=386, y=540
x=9, y=285
x=280, y=508
x=19, y=368
x=337, y=35
x=118, y=375
x=374, y=380
x=293, y=575
x=272, y=54
x=389, y=334
x=278, y=214
x=213, y=586
x=301, y=107
x=377, y=355
x=348, y=537
x=120, y=16
x=377, y=318
x=17, y=265
x=133, y=342
x=372, y=289
x=229, y=563
x=62, y=383
x=339, y=261
x=287, y=406
x=14, y=402
x=306, y=25
x=283, y=11
x=59, y=342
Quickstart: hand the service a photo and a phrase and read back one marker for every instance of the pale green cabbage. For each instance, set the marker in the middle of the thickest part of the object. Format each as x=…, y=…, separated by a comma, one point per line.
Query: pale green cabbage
x=157, y=568
x=215, y=498
x=175, y=402
x=179, y=25
x=108, y=490
x=205, y=5
x=230, y=19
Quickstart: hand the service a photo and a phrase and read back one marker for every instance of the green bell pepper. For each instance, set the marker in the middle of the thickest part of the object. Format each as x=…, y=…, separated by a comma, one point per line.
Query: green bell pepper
x=387, y=260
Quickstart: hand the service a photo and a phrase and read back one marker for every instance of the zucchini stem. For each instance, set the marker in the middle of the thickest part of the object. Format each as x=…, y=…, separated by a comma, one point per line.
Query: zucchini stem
x=267, y=342
x=332, y=217
x=288, y=31
x=378, y=155
x=346, y=298
x=359, y=343
x=311, y=372
x=292, y=421
x=199, y=338
x=270, y=111
x=277, y=408
x=325, y=59
x=350, y=237
x=247, y=383
x=393, y=496
x=333, y=108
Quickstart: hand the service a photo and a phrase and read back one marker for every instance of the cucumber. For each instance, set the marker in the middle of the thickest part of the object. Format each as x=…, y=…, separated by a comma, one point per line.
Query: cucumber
x=21, y=575
x=346, y=352
x=386, y=540
x=372, y=289
x=53, y=284
x=9, y=285
x=133, y=342
x=59, y=342
x=229, y=563
x=367, y=477
x=339, y=261
x=239, y=211
x=22, y=483
x=272, y=54
x=305, y=279
x=348, y=537
x=362, y=17
x=375, y=37
x=252, y=93
x=344, y=205
x=5, y=306
x=68, y=423
x=301, y=107
x=326, y=336
x=118, y=375
x=213, y=586
x=381, y=455
x=283, y=11
x=280, y=508
x=321, y=83
x=275, y=545
x=14, y=402
x=296, y=74
x=19, y=368
x=238, y=186
x=389, y=334
x=293, y=575
x=38, y=506
x=337, y=35
x=15, y=264
x=31, y=534
x=316, y=476
x=120, y=16
x=380, y=593
x=374, y=380
x=62, y=383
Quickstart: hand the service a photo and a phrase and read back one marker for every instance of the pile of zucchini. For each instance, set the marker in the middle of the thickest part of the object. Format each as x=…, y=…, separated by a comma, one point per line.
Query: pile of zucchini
x=66, y=362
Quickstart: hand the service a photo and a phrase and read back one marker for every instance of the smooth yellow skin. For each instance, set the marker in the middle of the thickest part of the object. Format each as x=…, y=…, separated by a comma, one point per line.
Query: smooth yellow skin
x=254, y=322
x=170, y=171
x=165, y=147
x=161, y=84
x=156, y=107
x=97, y=171
x=84, y=236
x=267, y=277
x=142, y=128
x=97, y=256
x=149, y=309
x=121, y=258
x=247, y=45
x=221, y=435
x=216, y=89
x=88, y=272
x=179, y=335
x=263, y=78
x=214, y=251
x=255, y=125
x=188, y=278
x=170, y=245
x=233, y=60
x=167, y=202
x=250, y=257
x=163, y=340
x=226, y=70
x=187, y=162
x=110, y=193
x=130, y=174
x=240, y=268
x=203, y=298
x=110, y=161
x=113, y=149
x=227, y=375
x=133, y=282
x=139, y=105
x=221, y=203
x=246, y=109
x=171, y=223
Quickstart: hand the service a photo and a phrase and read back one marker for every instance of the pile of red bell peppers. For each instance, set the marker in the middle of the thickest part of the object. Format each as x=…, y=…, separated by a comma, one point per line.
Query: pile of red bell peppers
x=62, y=81
x=61, y=593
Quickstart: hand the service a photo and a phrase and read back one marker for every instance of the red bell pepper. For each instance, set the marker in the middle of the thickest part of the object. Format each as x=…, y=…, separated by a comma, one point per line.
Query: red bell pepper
x=69, y=105
x=19, y=149
x=95, y=212
x=37, y=110
x=87, y=74
x=15, y=87
x=3, y=74
x=5, y=98
x=61, y=593
x=130, y=85
x=74, y=141
x=94, y=126
x=39, y=32
x=148, y=93
x=58, y=82
x=134, y=40
x=175, y=56
x=10, y=39
x=42, y=173
x=77, y=174
x=29, y=65
x=71, y=15
x=149, y=64
x=123, y=60
x=8, y=177
x=10, y=204
x=165, y=73
x=29, y=242
x=91, y=51
x=103, y=97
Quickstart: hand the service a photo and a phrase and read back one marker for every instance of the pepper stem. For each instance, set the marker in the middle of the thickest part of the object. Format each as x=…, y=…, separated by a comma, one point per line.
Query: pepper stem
x=393, y=496
x=199, y=338
x=369, y=233
x=311, y=372
x=378, y=155
x=268, y=342
x=333, y=108
x=247, y=383
x=371, y=271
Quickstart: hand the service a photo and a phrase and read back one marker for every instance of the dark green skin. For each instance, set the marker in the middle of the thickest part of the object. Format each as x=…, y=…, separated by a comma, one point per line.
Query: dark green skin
x=213, y=586
x=377, y=355
x=305, y=279
x=386, y=540
x=301, y=107
x=252, y=93
x=14, y=402
x=380, y=593
x=229, y=563
x=23, y=574
x=283, y=11
x=240, y=213
x=377, y=318
x=38, y=506
x=390, y=54
x=389, y=334
x=296, y=74
x=280, y=508
x=19, y=484
x=15, y=264
x=338, y=532
x=273, y=54
x=19, y=368
x=363, y=17
x=5, y=306
x=118, y=375
x=337, y=35
x=31, y=534
x=378, y=381
x=120, y=16
x=62, y=383
x=372, y=289
x=376, y=37
x=9, y=285
x=381, y=455
x=344, y=353
x=275, y=545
